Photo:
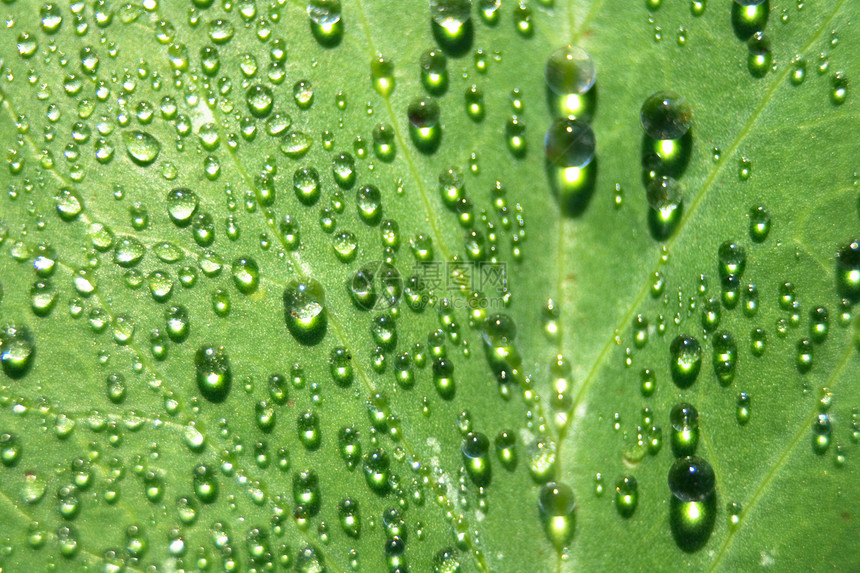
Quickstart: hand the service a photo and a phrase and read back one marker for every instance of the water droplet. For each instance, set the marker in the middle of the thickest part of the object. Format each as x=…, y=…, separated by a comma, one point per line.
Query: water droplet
x=205, y=483
x=685, y=429
x=308, y=428
x=798, y=70
x=246, y=275
x=691, y=479
x=569, y=71
x=685, y=360
x=382, y=76
x=542, y=458
x=304, y=310
x=666, y=115
x=515, y=131
x=732, y=258
x=260, y=101
x=759, y=223
x=749, y=17
x=443, y=378
x=376, y=471
x=141, y=147
x=475, y=450
x=523, y=20
x=744, y=168
x=569, y=144
x=848, y=271
x=368, y=200
x=626, y=495
x=838, y=88
x=17, y=349
x=181, y=206
x=434, y=72
x=350, y=517
x=665, y=198
x=804, y=355
x=640, y=330
x=424, y=128
x=557, y=506
x=340, y=365
x=711, y=314
x=743, y=408
x=647, y=382
x=214, y=375
x=821, y=433
x=760, y=58
x=725, y=358
x=474, y=99
x=451, y=15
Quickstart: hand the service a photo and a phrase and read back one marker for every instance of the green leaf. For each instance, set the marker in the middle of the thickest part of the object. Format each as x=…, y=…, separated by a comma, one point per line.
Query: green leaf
x=282, y=289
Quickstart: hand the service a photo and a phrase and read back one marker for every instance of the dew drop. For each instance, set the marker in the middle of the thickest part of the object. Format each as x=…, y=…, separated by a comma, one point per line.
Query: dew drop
x=141, y=147
x=214, y=375
x=382, y=76
x=557, y=505
x=569, y=144
x=725, y=357
x=691, y=478
x=434, y=72
x=205, y=483
x=743, y=408
x=821, y=433
x=451, y=15
x=626, y=495
x=17, y=349
x=685, y=355
x=685, y=429
x=246, y=275
x=181, y=206
x=848, y=271
x=666, y=115
x=569, y=70
x=475, y=450
x=759, y=223
x=304, y=310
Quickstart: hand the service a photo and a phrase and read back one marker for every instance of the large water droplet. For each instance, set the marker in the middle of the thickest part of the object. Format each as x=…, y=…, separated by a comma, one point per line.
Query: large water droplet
x=626, y=495
x=304, y=310
x=476, y=458
x=685, y=429
x=557, y=505
x=666, y=115
x=685, y=360
x=569, y=143
x=569, y=70
x=17, y=349
x=214, y=375
x=691, y=479
x=142, y=147
x=848, y=271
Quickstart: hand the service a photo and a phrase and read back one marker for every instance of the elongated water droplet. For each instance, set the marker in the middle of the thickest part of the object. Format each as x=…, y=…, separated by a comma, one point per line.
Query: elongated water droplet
x=475, y=450
x=557, y=506
x=17, y=349
x=685, y=360
x=626, y=495
x=685, y=429
x=214, y=375
x=848, y=271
